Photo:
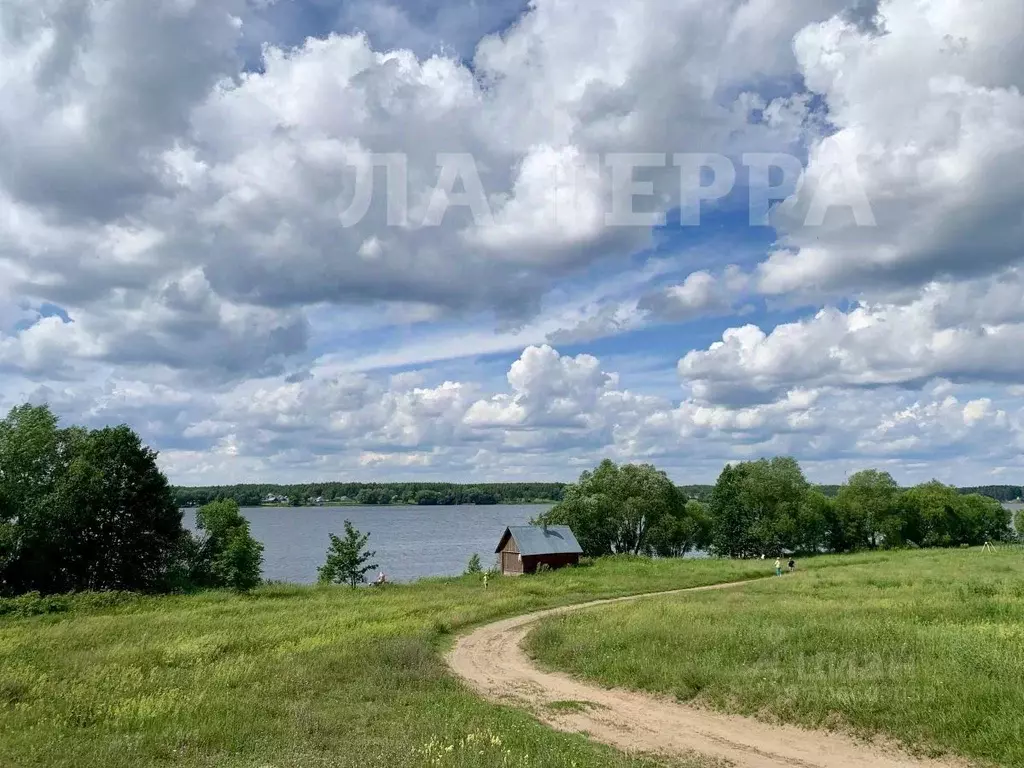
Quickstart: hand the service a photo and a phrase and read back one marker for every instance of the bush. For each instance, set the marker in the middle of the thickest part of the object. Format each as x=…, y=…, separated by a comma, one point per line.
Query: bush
x=227, y=556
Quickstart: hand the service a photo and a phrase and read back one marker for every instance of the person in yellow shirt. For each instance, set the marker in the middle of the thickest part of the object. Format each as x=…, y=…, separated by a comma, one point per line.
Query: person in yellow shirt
x=778, y=567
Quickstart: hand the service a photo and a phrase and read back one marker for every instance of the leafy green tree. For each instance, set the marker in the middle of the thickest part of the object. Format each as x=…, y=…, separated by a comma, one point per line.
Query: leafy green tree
x=124, y=521
x=756, y=508
x=675, y=535
x=428, y=498
x=982, y=519
x=347, y=558
x=239, y=564
x=33, y=455
x=812, y=522
x=937, y=515
x=614, y=509
x=229, y=555
x=81, y=509
x=730, y=519
x=473, y=567
x=867, y=513
x=1018, y=521
x=772, y=491
x=930, y=512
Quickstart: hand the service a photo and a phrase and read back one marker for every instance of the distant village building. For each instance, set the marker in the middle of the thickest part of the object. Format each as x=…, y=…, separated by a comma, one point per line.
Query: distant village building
x=523, y=547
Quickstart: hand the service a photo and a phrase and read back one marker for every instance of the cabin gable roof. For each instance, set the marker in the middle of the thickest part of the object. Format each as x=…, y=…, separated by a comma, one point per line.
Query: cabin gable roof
x=539, y=540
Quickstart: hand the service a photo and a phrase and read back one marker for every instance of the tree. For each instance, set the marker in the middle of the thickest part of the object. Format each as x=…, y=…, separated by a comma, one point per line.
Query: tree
x=347, y=558
x=812, y=522
x=120, y=512
x=772, y=491
x=229, y=556
x=614, y=509
x=982, y=519
x=757, y=506
x=1018, y=522
x=81, y=509
x=867, y=513
x=730, y=535
x=428, y=498
x=675, y=535
x=473, y=567
x=32, y=457
x=937, y=515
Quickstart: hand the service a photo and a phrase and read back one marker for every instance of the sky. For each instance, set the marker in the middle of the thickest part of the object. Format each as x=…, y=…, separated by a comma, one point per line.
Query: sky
x=300, y=240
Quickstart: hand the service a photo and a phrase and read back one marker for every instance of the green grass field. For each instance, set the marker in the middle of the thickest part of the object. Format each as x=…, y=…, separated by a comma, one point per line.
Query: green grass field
x=292, y=676
x=926, y=647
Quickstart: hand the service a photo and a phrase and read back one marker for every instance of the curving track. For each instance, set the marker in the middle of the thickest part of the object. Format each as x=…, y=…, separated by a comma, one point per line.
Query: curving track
x=493, y=663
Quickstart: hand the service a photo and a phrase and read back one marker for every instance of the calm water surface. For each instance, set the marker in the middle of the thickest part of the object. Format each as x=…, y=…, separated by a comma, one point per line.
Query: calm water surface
x=410, y=542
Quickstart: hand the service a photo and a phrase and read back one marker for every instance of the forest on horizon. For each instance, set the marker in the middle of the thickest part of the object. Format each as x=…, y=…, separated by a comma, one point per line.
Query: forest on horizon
x=429, y=493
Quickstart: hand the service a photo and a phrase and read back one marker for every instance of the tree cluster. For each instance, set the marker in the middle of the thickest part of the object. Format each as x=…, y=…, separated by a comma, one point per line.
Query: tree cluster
x=630, y=508
x=81, y=509
x=766, y=507
x=89, y=510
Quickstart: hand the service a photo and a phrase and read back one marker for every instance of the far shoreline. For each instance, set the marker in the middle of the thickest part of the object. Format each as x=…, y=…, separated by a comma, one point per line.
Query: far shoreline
x=533, y=503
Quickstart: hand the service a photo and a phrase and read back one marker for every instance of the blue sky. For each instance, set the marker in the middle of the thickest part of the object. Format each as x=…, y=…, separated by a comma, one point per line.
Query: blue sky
x=176, y=253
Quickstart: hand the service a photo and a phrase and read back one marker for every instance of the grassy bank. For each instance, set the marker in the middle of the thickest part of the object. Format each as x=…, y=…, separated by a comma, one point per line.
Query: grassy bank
x=291, y=676
x=926, y=647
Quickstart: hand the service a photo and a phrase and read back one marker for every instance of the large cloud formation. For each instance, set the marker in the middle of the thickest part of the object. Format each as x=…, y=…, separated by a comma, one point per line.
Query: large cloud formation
x=182, y=232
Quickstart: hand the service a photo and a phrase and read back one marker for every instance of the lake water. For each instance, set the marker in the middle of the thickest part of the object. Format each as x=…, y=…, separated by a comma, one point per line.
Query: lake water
x=410, y=542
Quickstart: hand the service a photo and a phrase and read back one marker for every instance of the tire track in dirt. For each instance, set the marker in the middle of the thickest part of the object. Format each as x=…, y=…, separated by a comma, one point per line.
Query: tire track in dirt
x=492, y=662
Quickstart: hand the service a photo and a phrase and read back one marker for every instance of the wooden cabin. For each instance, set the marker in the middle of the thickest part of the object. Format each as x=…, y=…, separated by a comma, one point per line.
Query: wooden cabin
x=523, y=547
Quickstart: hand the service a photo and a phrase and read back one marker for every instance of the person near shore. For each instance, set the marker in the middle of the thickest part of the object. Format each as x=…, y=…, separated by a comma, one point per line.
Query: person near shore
x=778, y=567
x=792, y=565
x=381, y=579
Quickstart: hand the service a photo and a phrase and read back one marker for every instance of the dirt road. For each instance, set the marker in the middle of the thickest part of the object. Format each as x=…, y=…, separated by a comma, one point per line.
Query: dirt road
x=493, y=663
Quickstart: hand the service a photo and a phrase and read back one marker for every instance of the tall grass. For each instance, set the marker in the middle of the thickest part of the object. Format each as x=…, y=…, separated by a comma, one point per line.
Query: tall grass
x=925, y=647
x=291, y=676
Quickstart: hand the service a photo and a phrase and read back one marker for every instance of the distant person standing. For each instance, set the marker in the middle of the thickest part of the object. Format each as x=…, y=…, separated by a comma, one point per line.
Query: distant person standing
x=792, y=565
x=778, y=567
x=485, y=579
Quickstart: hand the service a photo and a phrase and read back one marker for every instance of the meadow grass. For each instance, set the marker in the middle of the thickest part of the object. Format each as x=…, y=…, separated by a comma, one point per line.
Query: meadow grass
x=293, y=676
x=924, y=647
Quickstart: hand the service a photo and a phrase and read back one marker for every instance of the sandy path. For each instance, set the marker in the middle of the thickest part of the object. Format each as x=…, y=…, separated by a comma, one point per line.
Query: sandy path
x=493, y=663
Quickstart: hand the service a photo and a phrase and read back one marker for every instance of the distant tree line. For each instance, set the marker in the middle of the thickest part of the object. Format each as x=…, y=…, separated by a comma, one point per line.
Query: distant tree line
x=767, y=507
x=371, y=494
x=998, y=492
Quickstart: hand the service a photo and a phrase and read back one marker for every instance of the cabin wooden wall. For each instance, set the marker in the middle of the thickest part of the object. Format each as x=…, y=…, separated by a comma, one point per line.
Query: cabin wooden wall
x=509, y=558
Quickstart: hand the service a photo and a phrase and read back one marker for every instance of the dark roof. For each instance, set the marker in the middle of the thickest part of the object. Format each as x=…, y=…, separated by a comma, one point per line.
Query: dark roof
x=536, y=540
